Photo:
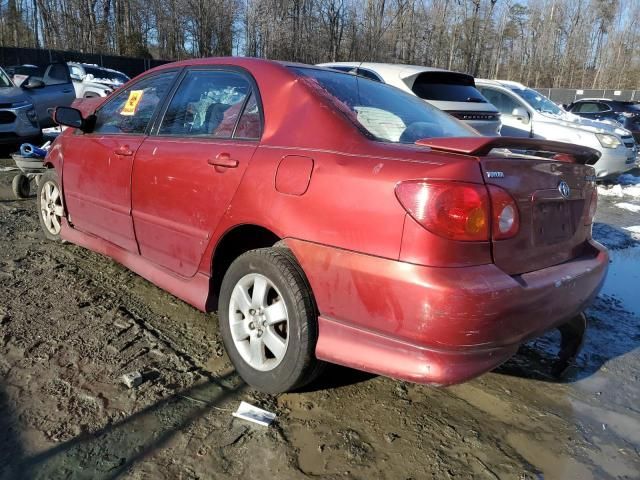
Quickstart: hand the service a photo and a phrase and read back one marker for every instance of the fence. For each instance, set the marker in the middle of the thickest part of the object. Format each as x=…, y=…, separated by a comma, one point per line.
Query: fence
x=130, y=66
x=568, y=95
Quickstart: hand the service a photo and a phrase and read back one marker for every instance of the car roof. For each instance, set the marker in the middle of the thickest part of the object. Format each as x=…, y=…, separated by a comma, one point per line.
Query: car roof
x=502, y=83
x=398, y=69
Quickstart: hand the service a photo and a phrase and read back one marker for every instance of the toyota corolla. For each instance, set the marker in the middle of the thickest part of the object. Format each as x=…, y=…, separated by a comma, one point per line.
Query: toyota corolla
x=328, y=218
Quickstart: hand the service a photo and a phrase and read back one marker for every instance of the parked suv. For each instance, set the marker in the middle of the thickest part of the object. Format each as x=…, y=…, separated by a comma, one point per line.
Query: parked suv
x=44, y=87
x=18, y=119
x=453, y=92
x=527, y=113
x=94, y=81
x=626, y=114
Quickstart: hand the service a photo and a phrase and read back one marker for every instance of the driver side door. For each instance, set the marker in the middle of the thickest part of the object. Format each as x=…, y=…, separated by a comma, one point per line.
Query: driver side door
x=98, y=165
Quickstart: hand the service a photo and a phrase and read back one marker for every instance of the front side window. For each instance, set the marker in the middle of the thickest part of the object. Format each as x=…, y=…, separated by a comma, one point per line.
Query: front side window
x=503, y=102
x=4, y=80
x=207, y=103
x=131, y=111
x=380, y=111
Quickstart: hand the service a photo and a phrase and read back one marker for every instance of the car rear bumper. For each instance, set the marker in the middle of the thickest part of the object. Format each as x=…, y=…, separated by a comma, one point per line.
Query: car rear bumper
x=437, y=325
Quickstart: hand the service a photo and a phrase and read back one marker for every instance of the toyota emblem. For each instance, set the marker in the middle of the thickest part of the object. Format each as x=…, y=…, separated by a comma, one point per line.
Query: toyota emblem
x=564, y=189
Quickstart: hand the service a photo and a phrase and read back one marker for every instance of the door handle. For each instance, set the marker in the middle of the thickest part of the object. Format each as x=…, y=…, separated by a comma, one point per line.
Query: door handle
x=223, y=160
x=66, y=91
x=124, y=150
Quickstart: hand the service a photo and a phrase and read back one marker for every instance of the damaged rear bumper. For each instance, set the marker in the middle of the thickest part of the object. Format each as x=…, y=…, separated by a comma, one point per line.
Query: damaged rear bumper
x=438, y=325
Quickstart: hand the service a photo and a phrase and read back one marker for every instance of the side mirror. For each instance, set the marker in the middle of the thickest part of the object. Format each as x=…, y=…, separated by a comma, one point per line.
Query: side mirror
x=521, y=114
x=70, y=117
x=30, y=83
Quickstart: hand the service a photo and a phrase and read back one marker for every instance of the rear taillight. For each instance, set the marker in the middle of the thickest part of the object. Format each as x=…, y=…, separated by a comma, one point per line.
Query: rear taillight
x=593, y=206
x=459, y=211
x=505, y=220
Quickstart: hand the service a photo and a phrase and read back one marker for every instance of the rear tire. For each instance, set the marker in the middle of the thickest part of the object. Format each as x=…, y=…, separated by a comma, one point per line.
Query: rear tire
x=268, y=321
x=50, y=205
x=21, y=186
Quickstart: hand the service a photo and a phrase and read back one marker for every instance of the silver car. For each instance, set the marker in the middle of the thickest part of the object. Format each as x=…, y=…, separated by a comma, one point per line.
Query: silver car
x=452, y=92
x=528, y=113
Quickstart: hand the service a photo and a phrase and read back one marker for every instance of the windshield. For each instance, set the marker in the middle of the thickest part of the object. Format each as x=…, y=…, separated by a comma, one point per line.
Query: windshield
x=100, y=73
x=383, y=112
x=5, y=81
x=538, y=101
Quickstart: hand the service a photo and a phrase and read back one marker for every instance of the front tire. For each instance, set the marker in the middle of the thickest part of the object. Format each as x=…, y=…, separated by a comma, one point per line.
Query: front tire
x=50, y=206
x=268, y=321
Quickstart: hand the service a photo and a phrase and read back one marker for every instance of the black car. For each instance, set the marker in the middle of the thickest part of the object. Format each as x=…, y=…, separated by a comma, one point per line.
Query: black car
x=625, y=113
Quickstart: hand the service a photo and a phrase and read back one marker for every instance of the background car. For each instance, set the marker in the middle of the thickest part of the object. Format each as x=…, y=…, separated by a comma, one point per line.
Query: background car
x=452, y=92
x=46, y=87
x=95, y=81
x=528, y=113
x=328, y=218
x=18, y=118
x=627, y=114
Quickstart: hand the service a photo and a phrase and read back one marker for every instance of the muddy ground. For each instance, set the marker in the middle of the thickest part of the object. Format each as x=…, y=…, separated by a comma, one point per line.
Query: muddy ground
x=72, y=322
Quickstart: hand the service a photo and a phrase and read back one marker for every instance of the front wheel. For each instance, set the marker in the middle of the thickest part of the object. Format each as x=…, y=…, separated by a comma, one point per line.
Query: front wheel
x=50, y=208
x=268, y=321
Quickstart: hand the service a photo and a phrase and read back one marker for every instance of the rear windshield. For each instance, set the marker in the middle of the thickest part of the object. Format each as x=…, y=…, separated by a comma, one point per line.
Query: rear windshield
x=380, y=111
x=447, y=87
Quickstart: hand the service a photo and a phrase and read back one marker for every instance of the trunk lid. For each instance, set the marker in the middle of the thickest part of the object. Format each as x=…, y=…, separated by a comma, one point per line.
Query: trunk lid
x=554, y=221
x=553, y=228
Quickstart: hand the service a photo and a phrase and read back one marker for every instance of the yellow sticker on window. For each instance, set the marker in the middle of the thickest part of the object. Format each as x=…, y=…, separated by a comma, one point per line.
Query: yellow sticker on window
x=131, y=105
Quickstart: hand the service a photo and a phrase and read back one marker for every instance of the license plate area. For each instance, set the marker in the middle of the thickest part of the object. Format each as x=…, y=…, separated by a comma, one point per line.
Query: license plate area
x=555, y=221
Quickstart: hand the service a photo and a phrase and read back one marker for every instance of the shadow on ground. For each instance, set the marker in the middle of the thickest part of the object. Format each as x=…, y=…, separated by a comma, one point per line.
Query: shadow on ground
x=110, y=452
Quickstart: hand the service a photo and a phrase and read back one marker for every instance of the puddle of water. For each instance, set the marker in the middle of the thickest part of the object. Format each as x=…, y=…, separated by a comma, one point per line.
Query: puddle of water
x=624, y=277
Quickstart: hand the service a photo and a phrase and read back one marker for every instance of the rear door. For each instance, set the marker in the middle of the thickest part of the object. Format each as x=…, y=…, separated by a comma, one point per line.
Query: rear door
x=187, y=172
x=98, y=165
x=554, y=220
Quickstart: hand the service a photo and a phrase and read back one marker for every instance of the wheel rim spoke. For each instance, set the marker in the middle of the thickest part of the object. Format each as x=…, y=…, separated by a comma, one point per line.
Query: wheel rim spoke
x=241, y=297
x=260, y=289
x=239, y=330
x=55, y=193
x=55, y=223
x=276, y=313
x=256, y=351
x=58, y=210
x=275, y=343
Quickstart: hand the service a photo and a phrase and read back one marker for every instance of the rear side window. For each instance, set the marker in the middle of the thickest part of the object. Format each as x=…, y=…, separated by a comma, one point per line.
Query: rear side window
x=382, y=112
x=587, y=107
x=57, y=74
x=131, y=111
x=503, y=102
x=209, y=103
x=447, y=87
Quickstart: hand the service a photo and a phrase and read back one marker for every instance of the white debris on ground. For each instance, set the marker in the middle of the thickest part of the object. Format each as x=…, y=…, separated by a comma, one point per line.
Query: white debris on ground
x=628, y=206
x=626, y=186
x=635, y=231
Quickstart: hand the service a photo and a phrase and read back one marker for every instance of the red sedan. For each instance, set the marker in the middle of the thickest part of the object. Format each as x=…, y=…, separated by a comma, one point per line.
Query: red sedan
x=328, y=218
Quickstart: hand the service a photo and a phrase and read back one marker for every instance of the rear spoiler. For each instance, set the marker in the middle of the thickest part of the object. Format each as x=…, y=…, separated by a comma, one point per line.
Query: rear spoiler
x=481, y=146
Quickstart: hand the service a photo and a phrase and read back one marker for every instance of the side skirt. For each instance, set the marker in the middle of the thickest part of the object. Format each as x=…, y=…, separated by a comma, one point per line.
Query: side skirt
x=194, y=290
